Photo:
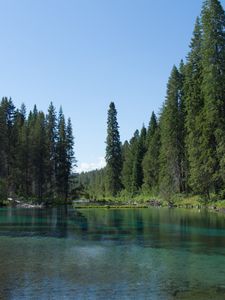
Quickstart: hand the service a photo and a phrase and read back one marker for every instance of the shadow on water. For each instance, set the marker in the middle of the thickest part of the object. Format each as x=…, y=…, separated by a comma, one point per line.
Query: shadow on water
x=54, y=222
x=167, y=228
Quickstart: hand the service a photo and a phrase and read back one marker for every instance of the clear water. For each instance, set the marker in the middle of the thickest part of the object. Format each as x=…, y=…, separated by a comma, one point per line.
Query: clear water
x=155, y=253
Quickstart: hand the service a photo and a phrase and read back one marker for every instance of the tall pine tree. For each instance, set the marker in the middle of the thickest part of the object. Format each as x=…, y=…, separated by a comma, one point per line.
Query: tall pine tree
x=51, y=130
x=194, y=104
x=113, y=153
x=171, y=176
x=213, y=87
x=151, y=159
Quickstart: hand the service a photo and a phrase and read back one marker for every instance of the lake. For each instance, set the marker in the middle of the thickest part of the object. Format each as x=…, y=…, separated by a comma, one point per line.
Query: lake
x=153, y=253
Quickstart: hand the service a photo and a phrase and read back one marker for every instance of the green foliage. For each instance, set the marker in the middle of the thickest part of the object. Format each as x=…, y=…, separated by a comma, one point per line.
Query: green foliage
x=92, y=185
x=172, y=146
x=129, y=171
x=132, y=172
x=150, y=162
x=51, y=136
x=194, y=112
x=28, y=160
x=64, y=156
x=184, y=152
x=213, y=90
x=113, y=153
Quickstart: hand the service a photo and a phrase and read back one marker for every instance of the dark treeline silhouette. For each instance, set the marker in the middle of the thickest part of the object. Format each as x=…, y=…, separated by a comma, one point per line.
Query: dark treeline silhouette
x=183, y=150
x=36, y=153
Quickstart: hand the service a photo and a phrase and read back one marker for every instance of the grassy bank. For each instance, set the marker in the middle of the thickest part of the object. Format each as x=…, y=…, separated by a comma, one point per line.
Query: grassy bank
x=144, y=201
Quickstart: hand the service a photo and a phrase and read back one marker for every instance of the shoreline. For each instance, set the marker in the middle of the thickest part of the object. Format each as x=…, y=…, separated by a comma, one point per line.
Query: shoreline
x=135, y=205
x=184, y=203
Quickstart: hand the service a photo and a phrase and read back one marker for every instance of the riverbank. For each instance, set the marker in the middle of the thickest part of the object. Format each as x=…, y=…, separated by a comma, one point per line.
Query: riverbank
x=195, y=202
x=22, y=202
x=18, y=203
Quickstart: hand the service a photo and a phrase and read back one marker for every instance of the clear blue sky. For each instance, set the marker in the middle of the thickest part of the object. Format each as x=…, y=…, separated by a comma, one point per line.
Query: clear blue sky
x=82, y=54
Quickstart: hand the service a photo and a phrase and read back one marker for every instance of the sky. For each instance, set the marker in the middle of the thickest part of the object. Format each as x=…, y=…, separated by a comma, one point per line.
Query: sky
x=83, y=54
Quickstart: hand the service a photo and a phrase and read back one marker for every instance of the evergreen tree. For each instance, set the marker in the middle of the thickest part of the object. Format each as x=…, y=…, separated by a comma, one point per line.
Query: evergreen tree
x=183, y=160
x=151, y=158
x=7, y=140
x=71, y=162
x=128, y=159
x=213, y=87
x=23, y=159
x=131, y=168
x=132, y=172
x=51, y=134
x=186, y=149
x=18, y=162
x=139, y=152
x=64, y=156
x=153, y=125
x=28, y=157
x=113, y=153
x=171, y=180
x=39, y=156
x=197, y=178
x=62, y=176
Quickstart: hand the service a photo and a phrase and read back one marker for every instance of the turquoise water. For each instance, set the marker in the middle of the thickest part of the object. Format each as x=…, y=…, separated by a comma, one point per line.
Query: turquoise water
x=154, y=253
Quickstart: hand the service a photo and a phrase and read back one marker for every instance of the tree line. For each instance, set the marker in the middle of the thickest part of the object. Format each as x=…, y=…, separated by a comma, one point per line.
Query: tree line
x=36, y=153
x=183, y=149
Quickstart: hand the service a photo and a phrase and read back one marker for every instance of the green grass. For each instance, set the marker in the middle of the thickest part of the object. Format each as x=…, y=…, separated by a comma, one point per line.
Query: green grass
x=109, y=206
x=125, y=200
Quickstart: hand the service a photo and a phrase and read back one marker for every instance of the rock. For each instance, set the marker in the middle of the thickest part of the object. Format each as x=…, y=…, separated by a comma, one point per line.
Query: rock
x=27, y=205
x=154, y=202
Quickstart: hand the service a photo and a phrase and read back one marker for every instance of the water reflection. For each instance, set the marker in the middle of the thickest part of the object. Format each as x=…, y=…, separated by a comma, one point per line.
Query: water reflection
x=145, y=227
x=113, y=254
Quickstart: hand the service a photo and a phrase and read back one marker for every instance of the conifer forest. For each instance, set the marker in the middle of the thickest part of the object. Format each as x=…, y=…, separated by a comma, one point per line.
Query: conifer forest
x=36, y=153
x=182, y=150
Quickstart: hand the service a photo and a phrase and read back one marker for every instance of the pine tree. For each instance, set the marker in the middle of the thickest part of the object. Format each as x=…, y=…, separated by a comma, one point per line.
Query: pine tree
x=39, y=156
x=51, y=131
x=183, y=160
x=128, y=159
x=28, y=152
x=65, y=160
x=7, y=139
x=18, y=164
x=194, y=104
x=71, y=161
x=132, y=184
x=113, y=153
x=213, y=87
x=153, y=125
x=133, y=152
x=139, y=152
x=171, y=180
x=151, y=159
x=62, y=176
x=23, y=158
x=28, y=140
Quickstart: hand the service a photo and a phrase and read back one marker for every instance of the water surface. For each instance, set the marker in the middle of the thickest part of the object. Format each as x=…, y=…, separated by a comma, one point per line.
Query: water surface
x=154, y=253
